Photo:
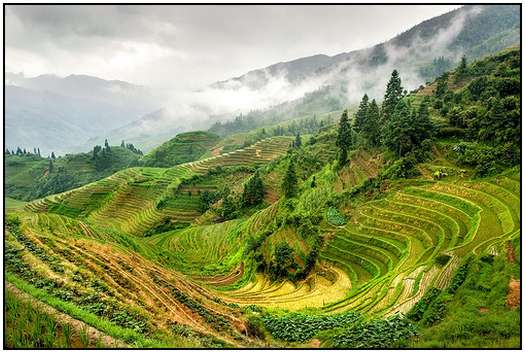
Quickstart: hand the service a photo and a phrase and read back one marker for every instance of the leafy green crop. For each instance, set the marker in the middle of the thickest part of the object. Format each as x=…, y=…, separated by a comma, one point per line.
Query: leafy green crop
x=299, y=327
x=388, y=333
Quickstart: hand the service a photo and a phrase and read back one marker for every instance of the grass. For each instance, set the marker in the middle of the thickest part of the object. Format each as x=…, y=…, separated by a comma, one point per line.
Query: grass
x=477, y=316
x=27, y=326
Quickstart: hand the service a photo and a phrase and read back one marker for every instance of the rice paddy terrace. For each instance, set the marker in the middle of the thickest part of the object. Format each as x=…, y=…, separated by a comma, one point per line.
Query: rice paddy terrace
x=395, y=249
x=83, y=251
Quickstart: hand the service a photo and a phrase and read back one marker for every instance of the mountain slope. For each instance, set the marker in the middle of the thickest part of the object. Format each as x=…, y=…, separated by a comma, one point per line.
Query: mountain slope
x=185, y=147
x=320, y=83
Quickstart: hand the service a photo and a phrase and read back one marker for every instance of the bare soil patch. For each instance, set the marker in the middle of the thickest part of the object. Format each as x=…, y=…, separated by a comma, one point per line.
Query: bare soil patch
x=513, y=295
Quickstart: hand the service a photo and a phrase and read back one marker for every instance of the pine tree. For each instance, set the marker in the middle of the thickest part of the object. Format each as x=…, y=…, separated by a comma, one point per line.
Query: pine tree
x=38, y=150
x=371, y=131
x=297, y=142
x=50, y=168
x=18, y=151
x=395, y=136
x=406, y=130
x=53, y=155
x=344, y=138
x=34, y=151
x=289, y=184
x=462, y=68
x=106, y=144
x=394, y=93
x=253, y=192
x=96, y=150
x=360, y=117
x=7, y=151
x=122, y=144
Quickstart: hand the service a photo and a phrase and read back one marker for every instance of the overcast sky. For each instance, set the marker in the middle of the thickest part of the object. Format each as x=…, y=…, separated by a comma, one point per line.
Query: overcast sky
x=189, y=46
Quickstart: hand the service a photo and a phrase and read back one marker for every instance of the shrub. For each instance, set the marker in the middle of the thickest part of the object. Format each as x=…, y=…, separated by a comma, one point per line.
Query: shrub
x=333, y=216
x=442, y=260
x=401, y=168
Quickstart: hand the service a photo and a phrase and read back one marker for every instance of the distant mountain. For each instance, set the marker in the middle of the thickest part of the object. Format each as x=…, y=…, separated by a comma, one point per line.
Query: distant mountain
x=119, y=110
x=60, y=114
x=473, y=30
x=322, y=83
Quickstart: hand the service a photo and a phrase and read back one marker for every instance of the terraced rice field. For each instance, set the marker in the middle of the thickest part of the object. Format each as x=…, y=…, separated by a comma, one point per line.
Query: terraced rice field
x=129, y=200
x=81, y=246
x=389, y=249
x=112, y=282
x=328, y=284
x=223, y=243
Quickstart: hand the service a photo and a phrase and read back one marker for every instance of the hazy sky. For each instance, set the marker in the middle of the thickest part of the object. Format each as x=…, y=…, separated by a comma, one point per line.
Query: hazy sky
x=188, y=46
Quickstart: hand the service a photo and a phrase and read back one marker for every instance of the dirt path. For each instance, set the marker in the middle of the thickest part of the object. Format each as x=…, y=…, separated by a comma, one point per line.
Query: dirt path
x=514, y=291
x=511, y=256
x=77, y=325
x=513, y=295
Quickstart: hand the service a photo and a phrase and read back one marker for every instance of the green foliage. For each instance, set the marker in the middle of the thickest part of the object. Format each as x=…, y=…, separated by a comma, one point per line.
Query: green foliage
x=418, y=310
x=230, y=206
x=344, y=138
x=393, y=95
x=459, y=278
x=32, y=177
x=208, y=198
x=300, y=327
x=333, y=216
x=253, y=192
x=405, y=131
x=165, y=226
x=438, y=66
x=297, y=142
x=282, y=261
x=472, y=311
x=27, y=326
x=392, y=332
x=360, y=117
x=442, y=260
x=401, y=169
x=289, y=183
x=486, y=160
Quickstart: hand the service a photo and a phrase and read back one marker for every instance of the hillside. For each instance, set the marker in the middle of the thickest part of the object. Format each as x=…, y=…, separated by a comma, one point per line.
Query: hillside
x=185, y=147
x=28, y=177
x=398, y=227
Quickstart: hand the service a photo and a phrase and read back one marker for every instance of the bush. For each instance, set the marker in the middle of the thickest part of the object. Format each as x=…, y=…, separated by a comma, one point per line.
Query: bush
x=401, y=168
x=334, y=217
x=442, y=260
x=255, y=327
